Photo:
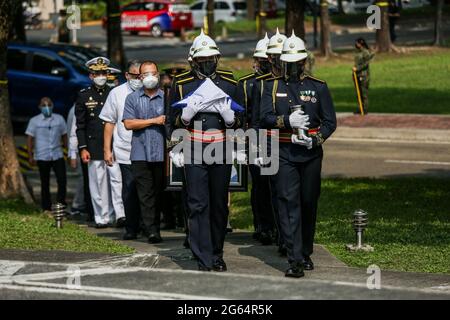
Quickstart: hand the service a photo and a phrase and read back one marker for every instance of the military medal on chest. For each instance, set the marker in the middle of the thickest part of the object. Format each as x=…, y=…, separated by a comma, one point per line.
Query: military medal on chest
x=91, y=104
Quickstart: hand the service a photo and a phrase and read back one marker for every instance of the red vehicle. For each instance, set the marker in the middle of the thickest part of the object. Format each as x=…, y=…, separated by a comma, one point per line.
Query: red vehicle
x=156, y=17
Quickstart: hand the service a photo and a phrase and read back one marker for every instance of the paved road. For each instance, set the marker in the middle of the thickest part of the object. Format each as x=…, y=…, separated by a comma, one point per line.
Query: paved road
x=171, y=49
x=371, y=158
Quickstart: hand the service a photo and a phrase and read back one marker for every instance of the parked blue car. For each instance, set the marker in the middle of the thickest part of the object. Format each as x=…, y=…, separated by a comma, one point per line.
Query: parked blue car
x=53, y=70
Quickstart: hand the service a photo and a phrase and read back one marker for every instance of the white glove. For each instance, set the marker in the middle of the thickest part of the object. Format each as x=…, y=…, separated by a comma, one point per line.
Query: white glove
x=177, y=158
x=240, y=156
x=299, y=120
x=305, y=141
x=190, y=111
x=226, y=113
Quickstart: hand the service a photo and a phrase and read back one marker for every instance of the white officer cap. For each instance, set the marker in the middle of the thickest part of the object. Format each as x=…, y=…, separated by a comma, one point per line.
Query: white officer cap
x=293, y=49
x=98, y=64
x=276, y=43
x=261, y=48
x=204, y=46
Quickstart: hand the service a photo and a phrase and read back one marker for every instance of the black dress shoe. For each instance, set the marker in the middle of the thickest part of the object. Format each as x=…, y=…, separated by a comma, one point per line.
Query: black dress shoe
x=120, y=223
x=308, y=264
x=101, y=226
x=154, y=238
x=265, y=238
x=220, y=266
x=203, y=268
x=295, y=271
x=130, y=236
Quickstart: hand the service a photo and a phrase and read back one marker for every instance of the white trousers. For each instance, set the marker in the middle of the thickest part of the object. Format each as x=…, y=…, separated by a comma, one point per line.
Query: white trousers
x=78, y=198
x=115, y=179
x=105, y=201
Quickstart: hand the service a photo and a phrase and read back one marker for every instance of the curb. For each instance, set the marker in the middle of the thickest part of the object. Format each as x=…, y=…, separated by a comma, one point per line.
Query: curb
x=393, y=134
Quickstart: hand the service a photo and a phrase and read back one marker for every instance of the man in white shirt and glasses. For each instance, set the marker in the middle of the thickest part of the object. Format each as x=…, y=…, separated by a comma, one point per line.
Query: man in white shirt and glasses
x=117, y=147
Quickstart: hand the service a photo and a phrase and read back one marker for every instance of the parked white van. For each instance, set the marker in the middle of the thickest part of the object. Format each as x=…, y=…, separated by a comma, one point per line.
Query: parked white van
x=224, y=11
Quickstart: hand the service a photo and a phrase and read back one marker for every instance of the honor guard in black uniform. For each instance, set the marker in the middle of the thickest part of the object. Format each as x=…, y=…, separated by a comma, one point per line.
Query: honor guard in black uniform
x=302, y=109
x=206, y=184
x=273, y=52
x=88, y=106
x=263, y=215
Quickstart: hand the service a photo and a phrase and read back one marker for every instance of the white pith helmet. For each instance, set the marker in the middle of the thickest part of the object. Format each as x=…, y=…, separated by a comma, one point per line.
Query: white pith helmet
x=261, y=48
x=276, y=43
x=293, y=49
x=191, y=50
x=204, y=46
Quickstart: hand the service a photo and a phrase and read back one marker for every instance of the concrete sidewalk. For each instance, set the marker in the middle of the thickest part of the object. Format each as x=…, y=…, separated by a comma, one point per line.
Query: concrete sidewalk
x=391, y=126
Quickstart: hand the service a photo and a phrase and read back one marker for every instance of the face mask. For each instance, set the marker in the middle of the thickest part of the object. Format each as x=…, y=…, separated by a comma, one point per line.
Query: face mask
x=135, y=84
x=100, y=81
x=264, y=66
x=150, y=82
x=207, y=68
x=276, y=62
x=47, y=111
x=293, y=71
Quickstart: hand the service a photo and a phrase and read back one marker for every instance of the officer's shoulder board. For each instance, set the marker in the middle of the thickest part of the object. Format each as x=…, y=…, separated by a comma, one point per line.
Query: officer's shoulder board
x=264, y=76
x=228, y=79
x=269, y=79
x=184, y=81
x=247, y=77
x=315, y=79
x=183, y=74
x=225, y=72
x=85, y=89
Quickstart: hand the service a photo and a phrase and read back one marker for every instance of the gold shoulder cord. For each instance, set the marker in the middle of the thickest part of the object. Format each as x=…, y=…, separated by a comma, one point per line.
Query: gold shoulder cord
x=262, y=88
x=245, y=93
x=180, y=90
x=274, y=93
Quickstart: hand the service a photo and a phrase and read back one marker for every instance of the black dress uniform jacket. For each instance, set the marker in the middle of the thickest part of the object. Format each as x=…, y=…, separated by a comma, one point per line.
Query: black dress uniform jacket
x=183, y=87
x=88, y=106
x=313, y=94
x=251, y=88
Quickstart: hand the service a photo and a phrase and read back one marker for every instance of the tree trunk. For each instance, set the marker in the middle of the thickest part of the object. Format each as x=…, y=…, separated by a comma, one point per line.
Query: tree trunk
x=210, y=17
x=114, y=33
x=382, y=35
x=295, y=18
x=251, y=9
x=261, y=24
x=12, y=183
x=340, y=7
x=325, y=41
x=17, y=25
x=438, y=23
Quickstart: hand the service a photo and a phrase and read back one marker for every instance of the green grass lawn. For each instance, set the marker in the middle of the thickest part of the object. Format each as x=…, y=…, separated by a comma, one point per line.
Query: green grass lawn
x=409, y=221
x=412, y=83
x=23, y=227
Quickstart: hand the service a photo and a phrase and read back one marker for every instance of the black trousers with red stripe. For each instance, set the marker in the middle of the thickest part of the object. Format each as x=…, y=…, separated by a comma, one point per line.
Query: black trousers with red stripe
x=207, y=199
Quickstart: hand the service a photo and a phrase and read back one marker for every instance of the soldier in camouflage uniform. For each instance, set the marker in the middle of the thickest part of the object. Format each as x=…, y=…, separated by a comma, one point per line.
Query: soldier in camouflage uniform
x=363, y=56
